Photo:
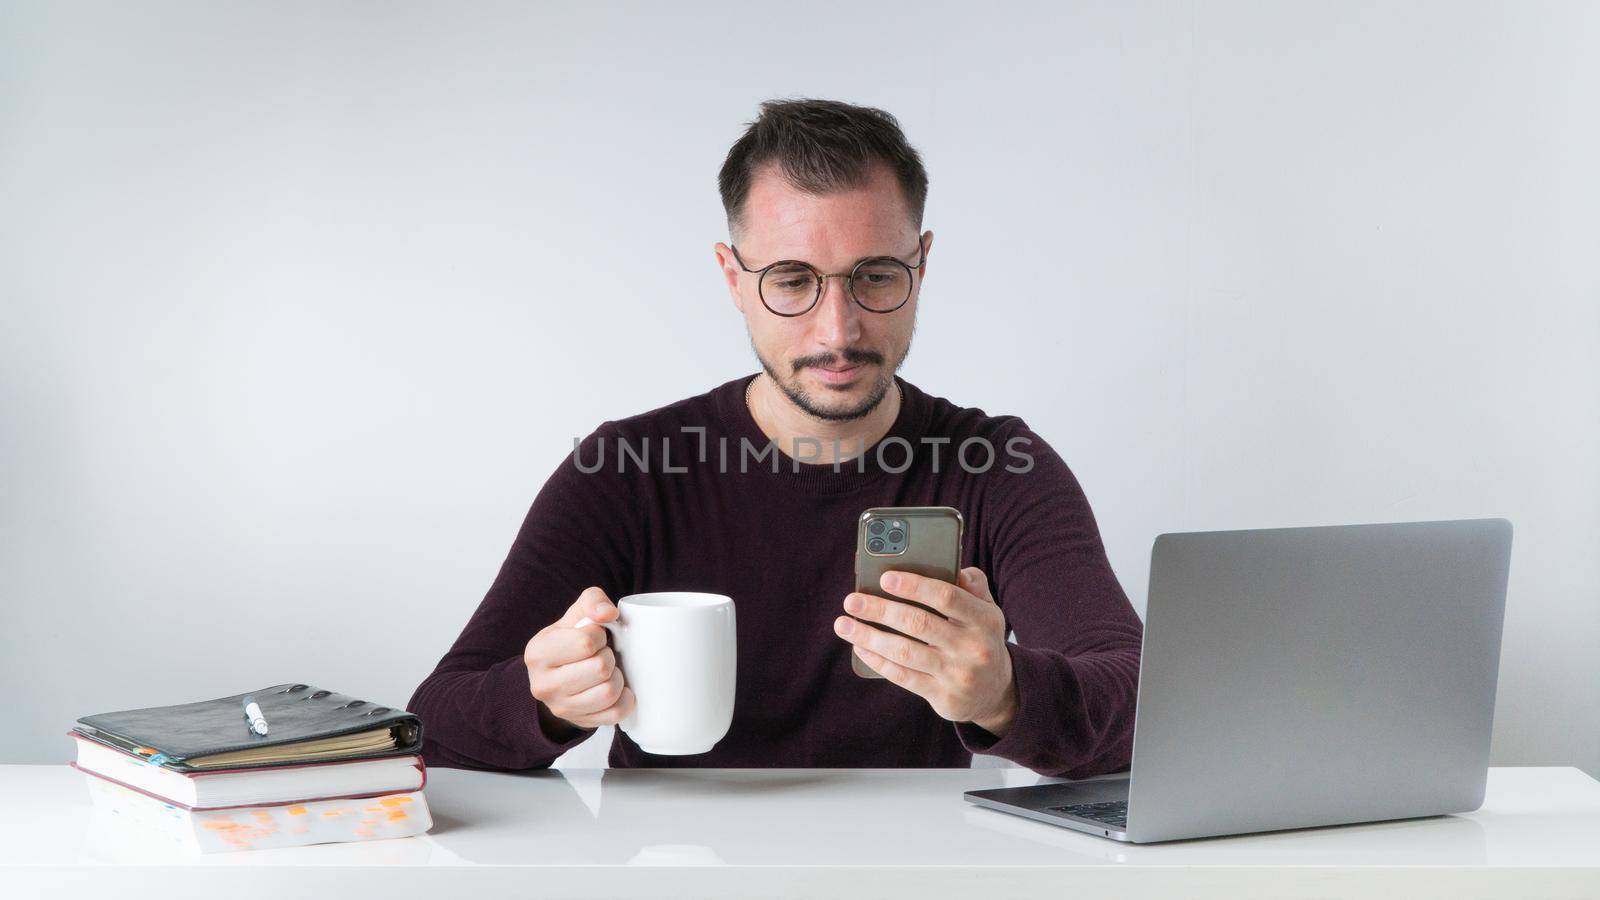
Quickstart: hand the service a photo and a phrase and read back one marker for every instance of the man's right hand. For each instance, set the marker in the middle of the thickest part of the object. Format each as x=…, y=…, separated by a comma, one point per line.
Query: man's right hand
x=573, y=674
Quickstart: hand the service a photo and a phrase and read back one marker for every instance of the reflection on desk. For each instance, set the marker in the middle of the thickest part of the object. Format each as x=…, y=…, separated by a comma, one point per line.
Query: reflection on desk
x=794, y=832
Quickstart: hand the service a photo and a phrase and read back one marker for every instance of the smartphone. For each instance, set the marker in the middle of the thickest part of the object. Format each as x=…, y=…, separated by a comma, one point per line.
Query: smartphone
x=923, y=540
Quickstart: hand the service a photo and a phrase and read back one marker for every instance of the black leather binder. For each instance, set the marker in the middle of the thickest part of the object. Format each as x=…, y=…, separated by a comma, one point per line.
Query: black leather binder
x=182, y=737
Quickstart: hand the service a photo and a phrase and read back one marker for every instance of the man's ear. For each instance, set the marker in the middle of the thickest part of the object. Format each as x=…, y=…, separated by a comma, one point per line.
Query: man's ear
x=730, y=273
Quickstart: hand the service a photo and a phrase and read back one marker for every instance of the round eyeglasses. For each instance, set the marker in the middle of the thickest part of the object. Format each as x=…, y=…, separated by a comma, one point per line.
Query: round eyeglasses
x=791, y=287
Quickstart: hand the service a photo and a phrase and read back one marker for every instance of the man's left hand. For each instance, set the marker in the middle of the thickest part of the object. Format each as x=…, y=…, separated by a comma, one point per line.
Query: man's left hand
x=959, y=663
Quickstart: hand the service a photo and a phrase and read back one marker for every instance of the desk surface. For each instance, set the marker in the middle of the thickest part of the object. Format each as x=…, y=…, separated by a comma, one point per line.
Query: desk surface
x=781, y=832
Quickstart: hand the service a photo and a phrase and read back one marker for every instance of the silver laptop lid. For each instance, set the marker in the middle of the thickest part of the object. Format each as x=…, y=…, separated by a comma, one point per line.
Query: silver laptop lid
x=1316, y=676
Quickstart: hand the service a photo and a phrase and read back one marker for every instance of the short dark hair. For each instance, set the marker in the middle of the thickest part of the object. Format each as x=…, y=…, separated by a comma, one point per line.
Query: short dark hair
x=821, y=147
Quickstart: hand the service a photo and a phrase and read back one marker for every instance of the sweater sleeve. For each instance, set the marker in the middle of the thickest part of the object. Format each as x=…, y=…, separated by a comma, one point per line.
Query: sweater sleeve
x=477, y=708
x=1076, y=663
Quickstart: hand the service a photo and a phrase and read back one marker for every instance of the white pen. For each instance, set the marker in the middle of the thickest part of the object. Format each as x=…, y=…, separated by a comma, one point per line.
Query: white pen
x=258, y=723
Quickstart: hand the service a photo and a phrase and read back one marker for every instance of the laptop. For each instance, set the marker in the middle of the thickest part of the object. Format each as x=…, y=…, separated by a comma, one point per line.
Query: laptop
x=1300, y=677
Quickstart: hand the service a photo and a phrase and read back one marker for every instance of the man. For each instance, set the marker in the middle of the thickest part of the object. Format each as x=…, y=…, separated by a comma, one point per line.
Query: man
x=824, y=203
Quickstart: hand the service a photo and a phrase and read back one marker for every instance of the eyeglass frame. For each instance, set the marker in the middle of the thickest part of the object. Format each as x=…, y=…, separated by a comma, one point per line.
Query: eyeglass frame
x=822, y=279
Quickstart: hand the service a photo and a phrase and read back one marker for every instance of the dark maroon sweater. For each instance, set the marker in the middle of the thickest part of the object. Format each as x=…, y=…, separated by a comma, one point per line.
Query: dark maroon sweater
x=782, y=545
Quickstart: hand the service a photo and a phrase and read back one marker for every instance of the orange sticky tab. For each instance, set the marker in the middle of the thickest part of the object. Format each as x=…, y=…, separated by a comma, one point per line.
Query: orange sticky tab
x=297, y=810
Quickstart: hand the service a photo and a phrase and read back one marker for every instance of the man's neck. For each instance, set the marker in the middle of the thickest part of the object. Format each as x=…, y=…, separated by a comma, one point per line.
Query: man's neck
x=793, y=430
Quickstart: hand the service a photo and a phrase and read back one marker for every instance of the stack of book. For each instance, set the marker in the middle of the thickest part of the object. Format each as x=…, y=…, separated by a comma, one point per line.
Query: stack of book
x=278, y=767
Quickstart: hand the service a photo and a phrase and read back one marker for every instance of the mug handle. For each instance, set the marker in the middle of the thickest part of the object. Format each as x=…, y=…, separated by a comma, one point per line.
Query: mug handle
x=611, y=631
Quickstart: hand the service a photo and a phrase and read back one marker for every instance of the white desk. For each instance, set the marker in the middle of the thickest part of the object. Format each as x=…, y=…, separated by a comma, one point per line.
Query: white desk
x=806, y=833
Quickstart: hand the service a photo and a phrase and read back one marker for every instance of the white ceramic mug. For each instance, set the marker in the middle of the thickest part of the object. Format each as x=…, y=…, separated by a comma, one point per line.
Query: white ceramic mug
x=677, y=650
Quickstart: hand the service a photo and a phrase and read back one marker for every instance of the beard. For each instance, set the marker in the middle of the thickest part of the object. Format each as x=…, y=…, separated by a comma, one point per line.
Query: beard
x=797, y=393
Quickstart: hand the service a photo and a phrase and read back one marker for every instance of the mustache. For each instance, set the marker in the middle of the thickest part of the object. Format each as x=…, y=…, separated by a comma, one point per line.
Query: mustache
x=851, y=356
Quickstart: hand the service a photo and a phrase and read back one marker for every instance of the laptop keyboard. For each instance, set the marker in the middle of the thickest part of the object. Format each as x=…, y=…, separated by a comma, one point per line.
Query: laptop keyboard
x=1111, y=812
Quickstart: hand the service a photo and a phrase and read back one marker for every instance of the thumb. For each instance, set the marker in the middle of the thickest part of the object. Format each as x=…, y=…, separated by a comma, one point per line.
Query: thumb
x=974, y=582
x=591, y=606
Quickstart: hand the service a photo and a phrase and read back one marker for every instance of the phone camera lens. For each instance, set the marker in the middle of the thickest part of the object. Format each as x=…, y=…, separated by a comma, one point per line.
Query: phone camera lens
x=875, y=526
x=875, y=545
x=896, y=537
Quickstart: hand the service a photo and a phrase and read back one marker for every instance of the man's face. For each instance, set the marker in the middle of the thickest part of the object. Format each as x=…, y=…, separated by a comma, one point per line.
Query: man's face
x=837, y=361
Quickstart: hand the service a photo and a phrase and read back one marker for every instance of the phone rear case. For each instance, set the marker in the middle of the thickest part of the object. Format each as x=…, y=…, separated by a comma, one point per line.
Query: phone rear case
x=933, y=550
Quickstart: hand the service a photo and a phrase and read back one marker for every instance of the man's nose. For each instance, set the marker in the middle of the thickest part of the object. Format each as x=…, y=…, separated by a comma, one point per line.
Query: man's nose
x=838, y=317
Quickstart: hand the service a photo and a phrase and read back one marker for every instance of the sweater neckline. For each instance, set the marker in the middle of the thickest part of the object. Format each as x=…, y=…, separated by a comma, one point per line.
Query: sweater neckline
x=823, y=478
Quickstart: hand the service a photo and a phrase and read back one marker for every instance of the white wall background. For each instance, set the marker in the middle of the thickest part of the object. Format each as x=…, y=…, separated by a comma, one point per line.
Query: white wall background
x=303, y=301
